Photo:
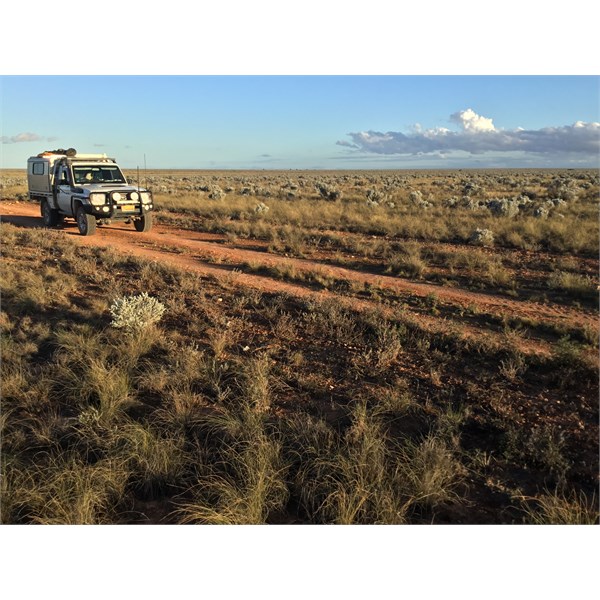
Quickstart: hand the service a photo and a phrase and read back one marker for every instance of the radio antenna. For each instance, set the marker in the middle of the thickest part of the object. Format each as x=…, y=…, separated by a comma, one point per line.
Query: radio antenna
x=138, y=179
x=145, y=173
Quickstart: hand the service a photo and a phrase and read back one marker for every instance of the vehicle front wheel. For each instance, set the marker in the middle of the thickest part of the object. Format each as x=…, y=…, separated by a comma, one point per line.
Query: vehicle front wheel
x=144, y=223
x=50, y=216
x=85, y=223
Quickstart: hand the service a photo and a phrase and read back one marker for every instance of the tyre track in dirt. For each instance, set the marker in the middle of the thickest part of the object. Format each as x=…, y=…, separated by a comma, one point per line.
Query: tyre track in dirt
x=206, y=253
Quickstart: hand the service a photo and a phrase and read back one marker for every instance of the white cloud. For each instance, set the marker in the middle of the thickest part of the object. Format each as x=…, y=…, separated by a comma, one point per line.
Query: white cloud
x=25, y=137
x=478, y=135
x=471, y=121
x=21, y=137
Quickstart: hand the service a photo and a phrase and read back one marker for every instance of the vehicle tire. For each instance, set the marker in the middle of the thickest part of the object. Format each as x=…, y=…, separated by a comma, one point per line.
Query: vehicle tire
x=144, y=223
x=85, y=223
x=50, y=216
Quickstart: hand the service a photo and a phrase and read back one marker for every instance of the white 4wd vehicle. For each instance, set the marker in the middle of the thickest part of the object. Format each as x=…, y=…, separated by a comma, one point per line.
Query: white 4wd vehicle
x=91, y=188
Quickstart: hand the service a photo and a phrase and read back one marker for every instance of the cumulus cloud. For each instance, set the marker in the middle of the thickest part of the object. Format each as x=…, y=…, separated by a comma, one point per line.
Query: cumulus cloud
x=21, y=137
x=471, y=121
x=478, y=135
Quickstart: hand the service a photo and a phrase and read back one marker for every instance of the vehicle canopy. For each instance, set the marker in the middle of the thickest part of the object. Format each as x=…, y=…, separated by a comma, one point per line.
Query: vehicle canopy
x=99, y=168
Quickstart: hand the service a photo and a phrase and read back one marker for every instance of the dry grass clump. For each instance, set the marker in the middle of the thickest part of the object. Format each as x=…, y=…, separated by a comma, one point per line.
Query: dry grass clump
x=574, y=284
x=88, y=372
x=62, y=488
x=408, y=262
x=257, y=382
x=556, y=508
x=155, y=459
x=366, y=476
x=245, y=482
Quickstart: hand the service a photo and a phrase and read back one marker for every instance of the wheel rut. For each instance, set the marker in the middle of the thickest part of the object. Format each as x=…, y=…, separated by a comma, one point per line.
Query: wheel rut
x=211, y=255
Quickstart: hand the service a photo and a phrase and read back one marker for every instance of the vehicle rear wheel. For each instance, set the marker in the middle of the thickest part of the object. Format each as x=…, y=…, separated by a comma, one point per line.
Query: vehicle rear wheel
x=85, y=223
x=144, y=223
x=50, y=216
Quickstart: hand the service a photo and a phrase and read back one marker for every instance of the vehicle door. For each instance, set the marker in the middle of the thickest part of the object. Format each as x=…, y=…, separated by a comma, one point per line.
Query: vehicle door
x=63, y=189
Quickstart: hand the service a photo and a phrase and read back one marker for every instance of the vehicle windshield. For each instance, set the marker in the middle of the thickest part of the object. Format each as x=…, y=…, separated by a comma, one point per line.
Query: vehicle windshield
x=98, y=174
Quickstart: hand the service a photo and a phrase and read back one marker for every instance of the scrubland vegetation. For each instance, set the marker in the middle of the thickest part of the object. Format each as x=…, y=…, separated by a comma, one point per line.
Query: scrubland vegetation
x=221, y=403
x=525, y=234
x=535, y=210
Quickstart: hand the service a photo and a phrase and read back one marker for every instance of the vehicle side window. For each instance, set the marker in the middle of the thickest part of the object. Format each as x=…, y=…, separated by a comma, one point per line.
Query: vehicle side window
x=38, y=168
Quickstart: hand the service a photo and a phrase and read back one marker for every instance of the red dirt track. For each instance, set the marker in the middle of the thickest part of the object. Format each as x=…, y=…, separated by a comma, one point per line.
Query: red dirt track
x=212, y=254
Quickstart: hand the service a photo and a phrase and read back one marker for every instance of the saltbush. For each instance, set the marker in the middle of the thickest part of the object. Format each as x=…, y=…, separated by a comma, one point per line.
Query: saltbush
x=503, y=207
x=482, y=237
x=134, y=313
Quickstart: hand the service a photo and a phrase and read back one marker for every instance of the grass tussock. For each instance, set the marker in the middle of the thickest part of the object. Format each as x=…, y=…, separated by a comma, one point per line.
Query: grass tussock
x=365, y=476
x=62, y=489
x=245, y=482
x=563, y=509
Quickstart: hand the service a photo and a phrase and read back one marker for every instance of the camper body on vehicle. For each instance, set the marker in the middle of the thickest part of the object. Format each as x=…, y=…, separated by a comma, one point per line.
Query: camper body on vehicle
x=90, y=188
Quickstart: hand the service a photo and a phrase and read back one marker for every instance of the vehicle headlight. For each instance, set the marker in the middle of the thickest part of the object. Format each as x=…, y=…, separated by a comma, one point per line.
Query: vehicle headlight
x=146, y=197
x=116, y=196
x=134, y=196
x=97, y=199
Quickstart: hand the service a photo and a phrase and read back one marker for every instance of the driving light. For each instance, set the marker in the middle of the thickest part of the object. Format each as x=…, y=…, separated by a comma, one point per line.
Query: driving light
x=116, y=196
x=97, y=199
x=134, y=196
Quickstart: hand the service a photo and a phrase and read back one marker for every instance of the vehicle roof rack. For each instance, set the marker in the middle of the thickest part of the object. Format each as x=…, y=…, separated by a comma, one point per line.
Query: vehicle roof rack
x=70, y=152
x=72, y=155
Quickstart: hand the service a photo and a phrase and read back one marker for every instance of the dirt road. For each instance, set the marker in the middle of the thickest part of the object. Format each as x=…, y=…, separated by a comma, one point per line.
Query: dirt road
x=212, y=254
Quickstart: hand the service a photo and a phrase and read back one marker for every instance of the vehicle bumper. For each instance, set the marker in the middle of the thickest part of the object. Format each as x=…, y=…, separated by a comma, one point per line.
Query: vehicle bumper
x=119, y=212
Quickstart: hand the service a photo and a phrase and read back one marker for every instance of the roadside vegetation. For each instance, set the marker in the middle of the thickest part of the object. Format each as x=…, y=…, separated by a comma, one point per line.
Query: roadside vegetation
x=541, y=226
x=219, y=403
x=537, y=210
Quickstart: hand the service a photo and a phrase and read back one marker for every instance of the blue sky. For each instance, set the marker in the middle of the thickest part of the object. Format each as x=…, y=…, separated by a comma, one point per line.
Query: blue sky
x=287, y=122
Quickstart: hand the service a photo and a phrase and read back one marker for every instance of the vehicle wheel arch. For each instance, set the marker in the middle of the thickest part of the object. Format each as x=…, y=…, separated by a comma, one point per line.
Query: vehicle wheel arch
x=75, y=204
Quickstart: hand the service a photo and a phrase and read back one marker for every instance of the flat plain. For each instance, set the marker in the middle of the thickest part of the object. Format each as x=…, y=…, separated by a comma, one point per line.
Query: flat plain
x=336, y=347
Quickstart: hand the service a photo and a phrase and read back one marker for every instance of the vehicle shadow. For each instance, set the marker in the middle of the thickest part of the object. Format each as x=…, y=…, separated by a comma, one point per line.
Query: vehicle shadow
x=22, y=221
x=69, y=227
x=37, y=222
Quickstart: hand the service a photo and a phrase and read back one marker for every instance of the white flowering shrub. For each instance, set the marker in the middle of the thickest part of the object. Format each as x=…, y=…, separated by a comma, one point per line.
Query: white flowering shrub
x=416, y=197
x=482, y=237
x=472, y=189
x=451, y=202
x=560, y=187
x=375, y=197
x=469, y=203
x=134, y=313
x=523, y=200
x=557, y=202
x=261, y=207
x=327, y=191
x=504, y=207
x=216, y=193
